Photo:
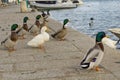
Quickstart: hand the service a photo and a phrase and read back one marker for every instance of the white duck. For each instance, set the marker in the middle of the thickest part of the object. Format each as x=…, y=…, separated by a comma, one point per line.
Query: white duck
x=40, y=39
x=111, y=43
x=94, y=56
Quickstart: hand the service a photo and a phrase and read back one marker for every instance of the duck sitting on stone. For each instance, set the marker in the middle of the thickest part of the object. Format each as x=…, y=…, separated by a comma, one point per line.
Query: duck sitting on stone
x=11, y=41
x=35, y=28
x=59, y=35
x=23, y=31
x=94, y=56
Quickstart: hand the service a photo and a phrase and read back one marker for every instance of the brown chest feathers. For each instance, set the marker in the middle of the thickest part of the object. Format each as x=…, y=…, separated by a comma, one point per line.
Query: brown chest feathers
x=25, y=27
x=37, y=23
x=14, y=36
x=101, y=46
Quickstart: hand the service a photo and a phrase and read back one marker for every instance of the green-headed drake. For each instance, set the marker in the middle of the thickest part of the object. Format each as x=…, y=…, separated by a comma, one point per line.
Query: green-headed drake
x=35, y=28
x=61, y=33
x=94, y=56
x=23, y=31
x=10, y=42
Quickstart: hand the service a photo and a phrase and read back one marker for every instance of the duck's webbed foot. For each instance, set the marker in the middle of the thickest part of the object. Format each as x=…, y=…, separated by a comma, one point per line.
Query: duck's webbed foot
x=97, y=68
x=63, y=39
x=42, y=47
x=11, y=49
x=22, y=37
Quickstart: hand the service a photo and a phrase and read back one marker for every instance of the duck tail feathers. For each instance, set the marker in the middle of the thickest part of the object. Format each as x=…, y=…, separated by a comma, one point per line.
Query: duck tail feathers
x=53, y=35
x=4, y=41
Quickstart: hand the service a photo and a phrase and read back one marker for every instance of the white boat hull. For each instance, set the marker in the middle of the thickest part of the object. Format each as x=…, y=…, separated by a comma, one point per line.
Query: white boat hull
x=52, y=6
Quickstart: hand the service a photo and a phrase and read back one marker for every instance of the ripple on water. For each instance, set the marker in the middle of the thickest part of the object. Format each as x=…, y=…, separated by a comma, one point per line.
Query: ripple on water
x=106, y=14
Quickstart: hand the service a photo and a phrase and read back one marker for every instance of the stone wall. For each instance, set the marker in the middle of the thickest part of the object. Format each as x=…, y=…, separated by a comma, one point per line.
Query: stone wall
x=0, y=2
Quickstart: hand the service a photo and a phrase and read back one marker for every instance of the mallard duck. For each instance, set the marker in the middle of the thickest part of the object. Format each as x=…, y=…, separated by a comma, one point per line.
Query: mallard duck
x=34, y=29
x=94, y=56
x=23, y=31
x=91, y=22
x=61, y=33
x=44, y=15
x=39, y=40
x=45, y=21
x=10, y=42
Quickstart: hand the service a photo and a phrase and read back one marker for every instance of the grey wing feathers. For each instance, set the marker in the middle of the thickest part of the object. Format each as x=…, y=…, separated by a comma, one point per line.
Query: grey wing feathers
x=92, y=53
x=53, y=35
x=30, y=28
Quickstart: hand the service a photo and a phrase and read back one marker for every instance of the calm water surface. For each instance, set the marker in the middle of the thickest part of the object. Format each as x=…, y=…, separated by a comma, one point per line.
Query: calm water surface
x=106, y=14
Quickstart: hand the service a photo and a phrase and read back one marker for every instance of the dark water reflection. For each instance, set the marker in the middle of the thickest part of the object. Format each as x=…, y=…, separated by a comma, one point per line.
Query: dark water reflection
x=106, y=15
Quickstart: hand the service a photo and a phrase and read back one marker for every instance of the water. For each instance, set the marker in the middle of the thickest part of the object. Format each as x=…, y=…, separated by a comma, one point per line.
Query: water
x=106, y=14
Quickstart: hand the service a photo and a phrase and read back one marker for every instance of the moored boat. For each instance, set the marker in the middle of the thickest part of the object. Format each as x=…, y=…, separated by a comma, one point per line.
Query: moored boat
x=51, y=4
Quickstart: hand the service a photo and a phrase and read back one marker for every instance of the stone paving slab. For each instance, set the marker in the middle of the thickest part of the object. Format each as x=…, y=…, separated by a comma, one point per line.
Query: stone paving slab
x=65, y=73
x=59, y=46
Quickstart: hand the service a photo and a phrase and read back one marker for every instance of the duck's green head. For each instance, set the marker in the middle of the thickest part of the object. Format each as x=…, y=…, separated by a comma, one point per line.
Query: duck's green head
x=100, y=36
x=65, y=21
x=25, y=19
x=14, y=27
x=38, y=17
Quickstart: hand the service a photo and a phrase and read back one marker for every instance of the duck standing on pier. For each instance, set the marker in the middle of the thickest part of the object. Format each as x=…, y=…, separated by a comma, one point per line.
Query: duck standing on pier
x=40, y=39
x=10, y=42
x=94, y=56
x=23, y=31
x=59, y=35
x=35, y=28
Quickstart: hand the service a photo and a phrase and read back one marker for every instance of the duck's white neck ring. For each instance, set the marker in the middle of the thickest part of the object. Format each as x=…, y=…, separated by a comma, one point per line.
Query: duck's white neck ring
x=98, y=42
